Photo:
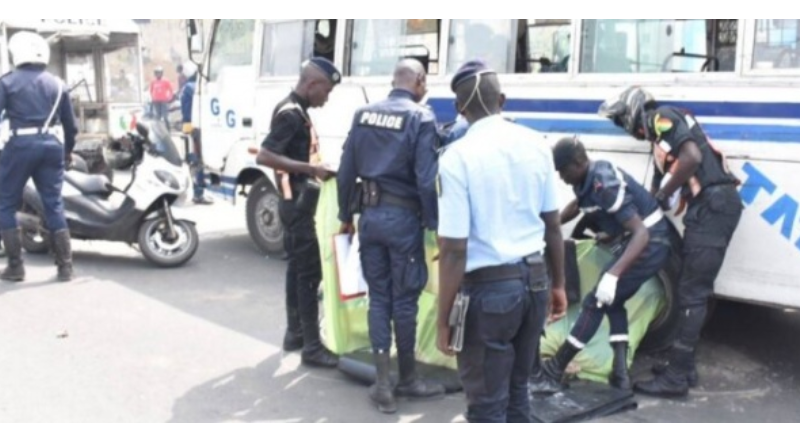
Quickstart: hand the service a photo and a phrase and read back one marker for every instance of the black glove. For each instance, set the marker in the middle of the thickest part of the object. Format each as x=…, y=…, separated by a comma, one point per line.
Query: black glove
x=663, y=201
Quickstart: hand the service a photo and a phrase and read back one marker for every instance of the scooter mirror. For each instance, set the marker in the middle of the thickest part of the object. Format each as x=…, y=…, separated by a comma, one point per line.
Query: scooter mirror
x=142, y=129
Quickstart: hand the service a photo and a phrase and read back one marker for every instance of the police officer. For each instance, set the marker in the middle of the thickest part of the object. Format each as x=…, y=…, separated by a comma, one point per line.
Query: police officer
x=34, y=101
x=288, y=149
x=189, y=71
x=499, y=231
x=454, y=131
x=391, y=147
x=630, y=217
x=686, y=161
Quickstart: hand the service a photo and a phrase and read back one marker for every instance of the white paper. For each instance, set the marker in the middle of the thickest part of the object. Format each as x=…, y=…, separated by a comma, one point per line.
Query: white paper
x=348, y=265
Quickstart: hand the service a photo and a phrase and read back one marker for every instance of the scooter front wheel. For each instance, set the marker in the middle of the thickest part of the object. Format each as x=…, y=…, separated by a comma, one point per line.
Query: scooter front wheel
x=163, y=250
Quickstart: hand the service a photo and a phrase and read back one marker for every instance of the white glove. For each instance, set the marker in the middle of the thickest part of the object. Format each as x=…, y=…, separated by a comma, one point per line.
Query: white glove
x=606, y=290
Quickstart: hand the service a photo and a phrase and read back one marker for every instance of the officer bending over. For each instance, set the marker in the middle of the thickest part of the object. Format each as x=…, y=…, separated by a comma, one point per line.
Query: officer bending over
x=622, y=208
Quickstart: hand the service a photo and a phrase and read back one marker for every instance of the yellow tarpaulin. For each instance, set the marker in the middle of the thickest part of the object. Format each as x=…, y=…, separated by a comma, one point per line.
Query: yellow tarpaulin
x=345, y=321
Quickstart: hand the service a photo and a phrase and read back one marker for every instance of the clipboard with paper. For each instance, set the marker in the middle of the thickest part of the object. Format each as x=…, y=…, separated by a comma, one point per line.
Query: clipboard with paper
x=352, y=284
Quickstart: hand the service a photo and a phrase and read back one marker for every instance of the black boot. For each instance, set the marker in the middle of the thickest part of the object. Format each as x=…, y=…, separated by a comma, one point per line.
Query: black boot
x=380, y=393
x=538, y=384
x=672, y=383
x=692, y=377
x=12, y=240
x=293, y=339
x=411, y=385
x=315, y=354
x=619, y=374
x=62, y=249
x=553, y=370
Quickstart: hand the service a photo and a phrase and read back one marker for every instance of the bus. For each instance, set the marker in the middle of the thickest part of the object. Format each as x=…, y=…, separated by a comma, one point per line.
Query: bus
x=740, y=77
x=100, y=62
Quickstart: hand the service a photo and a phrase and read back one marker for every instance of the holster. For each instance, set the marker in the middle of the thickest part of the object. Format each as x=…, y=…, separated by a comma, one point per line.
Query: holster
x=370, y=194
x=308, y=197
x=355, y=202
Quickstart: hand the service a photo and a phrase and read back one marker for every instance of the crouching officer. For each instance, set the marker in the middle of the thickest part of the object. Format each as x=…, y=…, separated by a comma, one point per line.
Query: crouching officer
x=687, y=161
x=391, y=147
x=289, y=148
x=35, y=101
x=630, y=216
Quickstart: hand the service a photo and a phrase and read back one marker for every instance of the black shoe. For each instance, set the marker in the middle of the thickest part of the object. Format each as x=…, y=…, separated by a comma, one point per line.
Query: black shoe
x=619, y=377
x=541, y=384
x=663, y=386
x=320, y=357
x=672, y=382
x=411, y=386
x=292, y=341
x=62, y=248
x=692, y=377
x=380, y=393
x=12, y=240
x=553, y=369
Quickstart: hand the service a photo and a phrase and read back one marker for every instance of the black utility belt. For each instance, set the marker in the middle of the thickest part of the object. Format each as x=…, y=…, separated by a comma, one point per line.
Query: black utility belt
x=504, y=272
x=372, y=195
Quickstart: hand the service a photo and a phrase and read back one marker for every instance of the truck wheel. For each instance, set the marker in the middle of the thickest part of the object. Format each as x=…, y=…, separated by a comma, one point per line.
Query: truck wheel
x=263, y=221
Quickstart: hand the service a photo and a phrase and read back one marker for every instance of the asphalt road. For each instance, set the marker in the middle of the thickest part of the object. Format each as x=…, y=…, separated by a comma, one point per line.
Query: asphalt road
x=127, y=342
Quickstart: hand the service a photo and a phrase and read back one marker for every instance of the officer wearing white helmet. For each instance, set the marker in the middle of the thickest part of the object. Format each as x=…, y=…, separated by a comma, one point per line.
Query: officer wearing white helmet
x=189, y=70
x=34, y=101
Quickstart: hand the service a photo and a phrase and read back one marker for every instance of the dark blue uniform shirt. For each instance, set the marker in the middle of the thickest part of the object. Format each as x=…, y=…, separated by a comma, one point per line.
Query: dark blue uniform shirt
x=612, y=197
x=28, y=95
x=393, y=143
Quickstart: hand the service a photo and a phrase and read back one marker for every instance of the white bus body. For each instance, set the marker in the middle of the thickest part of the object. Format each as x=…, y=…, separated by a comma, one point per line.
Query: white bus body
x=740, y=77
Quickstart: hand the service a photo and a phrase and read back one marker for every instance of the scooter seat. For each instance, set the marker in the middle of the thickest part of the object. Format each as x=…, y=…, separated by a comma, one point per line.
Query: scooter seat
x=89, y=184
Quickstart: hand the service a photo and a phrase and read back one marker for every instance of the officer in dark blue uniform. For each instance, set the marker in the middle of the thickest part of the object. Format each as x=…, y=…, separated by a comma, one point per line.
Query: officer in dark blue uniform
x=290, y=149
x=391, y=148
x=34, y=101
x=630, y=217
x=686, y=163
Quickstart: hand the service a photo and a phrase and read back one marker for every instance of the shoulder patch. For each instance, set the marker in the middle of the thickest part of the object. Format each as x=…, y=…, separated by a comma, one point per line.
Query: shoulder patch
x=382, y=120
x=662, y=125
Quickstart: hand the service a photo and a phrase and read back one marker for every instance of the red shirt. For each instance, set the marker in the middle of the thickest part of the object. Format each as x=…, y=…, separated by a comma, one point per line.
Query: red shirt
x=161, y=91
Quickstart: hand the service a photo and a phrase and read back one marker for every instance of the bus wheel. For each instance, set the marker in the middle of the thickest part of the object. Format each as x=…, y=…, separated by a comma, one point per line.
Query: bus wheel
x=263, y=221
x=664, y=327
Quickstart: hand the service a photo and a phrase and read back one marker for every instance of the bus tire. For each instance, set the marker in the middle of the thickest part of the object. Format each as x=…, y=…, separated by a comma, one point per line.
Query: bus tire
x=664, y=328
x=263, y=221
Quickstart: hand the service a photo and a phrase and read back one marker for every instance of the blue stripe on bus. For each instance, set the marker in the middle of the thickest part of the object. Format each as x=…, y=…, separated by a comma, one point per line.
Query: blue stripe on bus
x=445, y=112
x=733, y=132
x=780, y=110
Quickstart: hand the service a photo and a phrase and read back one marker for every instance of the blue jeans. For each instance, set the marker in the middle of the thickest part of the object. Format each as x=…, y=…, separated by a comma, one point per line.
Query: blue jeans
x=504, y=324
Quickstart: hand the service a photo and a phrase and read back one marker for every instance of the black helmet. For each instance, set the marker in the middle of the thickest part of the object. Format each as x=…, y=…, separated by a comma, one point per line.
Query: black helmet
x=628, y=110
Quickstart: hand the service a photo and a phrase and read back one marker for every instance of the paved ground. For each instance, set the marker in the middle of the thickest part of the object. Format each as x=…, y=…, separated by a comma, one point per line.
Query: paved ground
x=129, y=342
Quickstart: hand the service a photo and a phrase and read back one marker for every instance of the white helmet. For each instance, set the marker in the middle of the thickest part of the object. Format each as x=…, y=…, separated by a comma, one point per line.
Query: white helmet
x=28, y=47
x=189, y=69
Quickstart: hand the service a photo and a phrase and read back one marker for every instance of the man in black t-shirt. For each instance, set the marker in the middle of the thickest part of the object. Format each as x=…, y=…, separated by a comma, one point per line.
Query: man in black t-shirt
x=290, y=149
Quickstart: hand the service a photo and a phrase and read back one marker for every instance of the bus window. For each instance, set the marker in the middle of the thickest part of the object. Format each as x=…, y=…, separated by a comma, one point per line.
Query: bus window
x=493, y=40
x=122, y=76
x=233, y=45
x=658, y=45
x=379, y=43
x=81, y=76
x=286, y=45
x=549, y=45
x=777, y=44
